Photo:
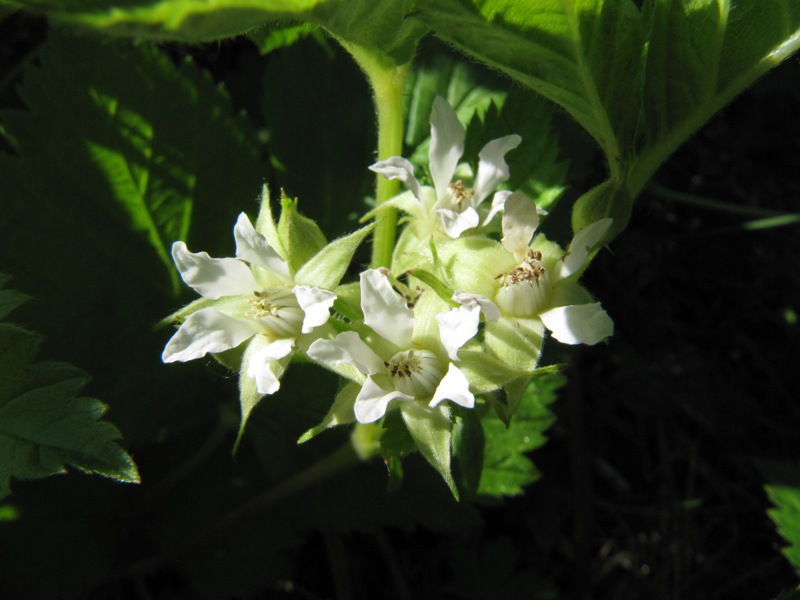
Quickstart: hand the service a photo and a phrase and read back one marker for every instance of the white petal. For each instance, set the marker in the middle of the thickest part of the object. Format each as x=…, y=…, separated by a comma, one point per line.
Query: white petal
x=578, y=250
x=260, y=365
x=213, y=278
x=447, y=144
x=349, y=349
x=579, y=323
x=456, y=223
x=207, y=331
x=492, y=168
x=520, y=220
x=454, y=387
x=372, y=401
x=386, y=311
x=459, y=325
x=254, y=248
x=489, y=308
x=498, y=204
x=316, y=305
x=397, y=167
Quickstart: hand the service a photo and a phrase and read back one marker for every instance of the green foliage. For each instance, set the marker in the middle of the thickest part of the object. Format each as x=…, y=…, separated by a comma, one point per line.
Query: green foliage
x=640, y=81
x=488, y=110
x=382, y=26
x=44, y=425
x=140, y=146
x=786, y=515
x=506, y=469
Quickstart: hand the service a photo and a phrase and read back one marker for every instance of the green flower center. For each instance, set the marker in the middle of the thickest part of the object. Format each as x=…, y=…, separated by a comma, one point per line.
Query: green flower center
x=415, y=372
x=277, y=310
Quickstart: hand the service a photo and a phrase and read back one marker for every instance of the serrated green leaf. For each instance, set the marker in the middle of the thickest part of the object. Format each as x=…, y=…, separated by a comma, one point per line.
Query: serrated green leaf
x=272, y=38
x=132, y=144
x=44, y=426
x=383, y=26
x=506, y=468
x=786, y=516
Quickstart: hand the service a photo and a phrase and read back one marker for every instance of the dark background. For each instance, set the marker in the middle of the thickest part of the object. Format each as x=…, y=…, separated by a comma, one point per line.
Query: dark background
x=652, y=481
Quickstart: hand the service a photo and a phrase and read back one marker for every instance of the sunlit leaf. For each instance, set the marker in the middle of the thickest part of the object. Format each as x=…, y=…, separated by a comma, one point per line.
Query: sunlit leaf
x=640, y=81
x=381, y=26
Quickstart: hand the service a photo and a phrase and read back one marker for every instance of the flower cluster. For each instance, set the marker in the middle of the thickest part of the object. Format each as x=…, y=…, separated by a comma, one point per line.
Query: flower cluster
x=470, y=318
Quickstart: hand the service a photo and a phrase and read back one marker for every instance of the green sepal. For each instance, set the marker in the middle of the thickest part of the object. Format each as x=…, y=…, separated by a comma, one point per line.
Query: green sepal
x=179, y=316
x=327, y=267
x=485, y=372
x=515, y=342
x=431, y=430
x=265, y=223
x=232, y=359
x=300, y=236
x=609, y=199
x=396, y=440
x=340, y=413
x=394, y=466
x=505, y=405
x=468, y=443
x=249, y=396
x=442, y=290
x=396, y=444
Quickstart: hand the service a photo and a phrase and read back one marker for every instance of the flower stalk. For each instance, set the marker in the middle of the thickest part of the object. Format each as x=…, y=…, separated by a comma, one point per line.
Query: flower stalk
x=388, y=82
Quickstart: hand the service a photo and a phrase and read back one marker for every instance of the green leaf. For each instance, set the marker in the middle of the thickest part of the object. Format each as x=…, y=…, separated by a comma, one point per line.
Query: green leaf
x=132, y=144
x=639, y=81
x=44, y=425
x=699, y=56
x=383, y=25
x=506, y=469
x=9, y=299
x=786, y=516
x=340, y=413
x=582, y=55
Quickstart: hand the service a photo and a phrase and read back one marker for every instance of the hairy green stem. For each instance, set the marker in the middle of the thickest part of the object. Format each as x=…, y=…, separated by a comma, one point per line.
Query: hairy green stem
x=388, y=82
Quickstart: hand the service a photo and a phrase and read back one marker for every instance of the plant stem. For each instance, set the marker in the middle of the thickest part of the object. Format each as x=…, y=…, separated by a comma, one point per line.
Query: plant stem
x=388, y=82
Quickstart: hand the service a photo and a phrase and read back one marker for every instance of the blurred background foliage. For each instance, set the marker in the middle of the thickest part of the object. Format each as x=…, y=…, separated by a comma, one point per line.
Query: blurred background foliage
x=652, y=479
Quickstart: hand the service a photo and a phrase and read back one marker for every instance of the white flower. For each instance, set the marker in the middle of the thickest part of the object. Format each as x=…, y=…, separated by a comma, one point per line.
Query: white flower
x=253, y=296
x=395, y=367
x=451, y=206
x=535, y=285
